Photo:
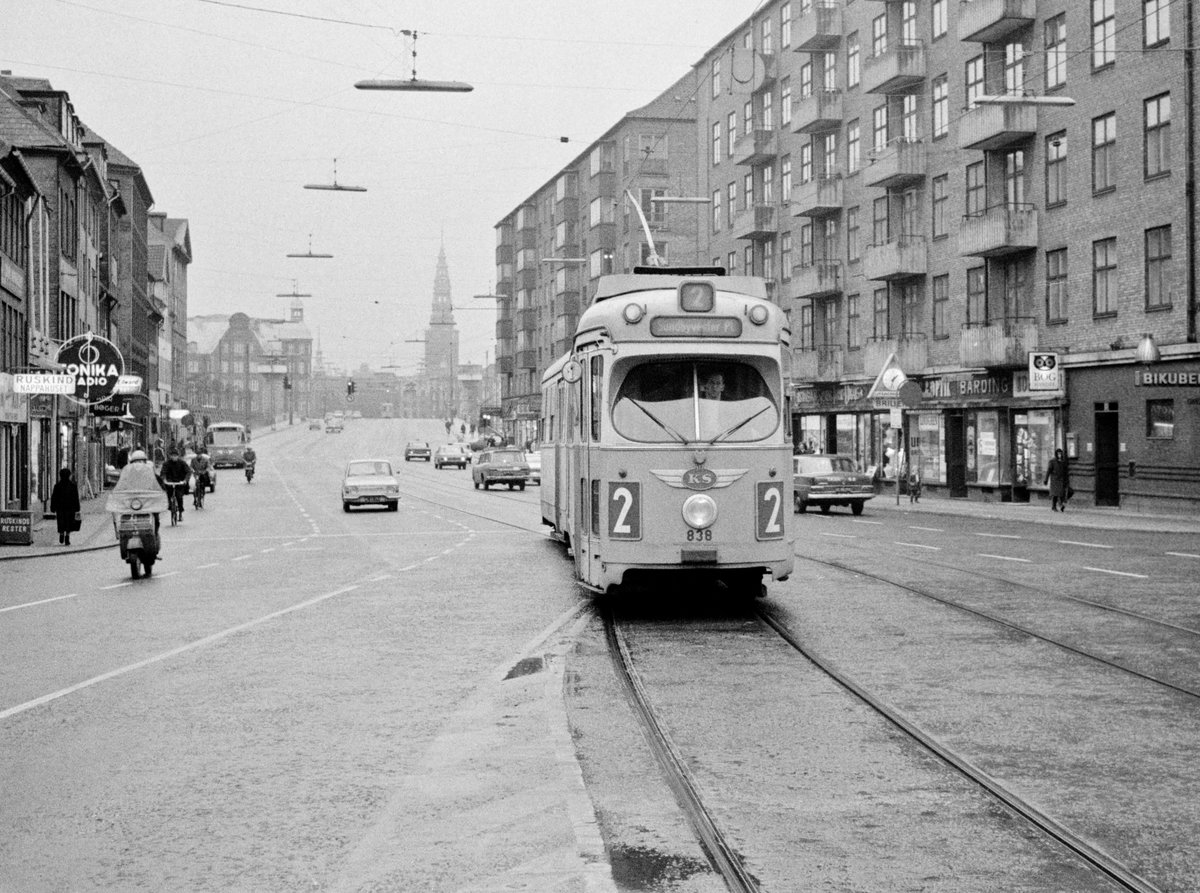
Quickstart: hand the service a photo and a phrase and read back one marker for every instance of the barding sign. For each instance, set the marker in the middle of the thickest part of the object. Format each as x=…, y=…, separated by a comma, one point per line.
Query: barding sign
x=95, y=366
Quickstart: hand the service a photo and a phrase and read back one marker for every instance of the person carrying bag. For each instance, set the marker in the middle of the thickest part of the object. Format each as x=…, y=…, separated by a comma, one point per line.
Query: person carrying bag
x=64, y=502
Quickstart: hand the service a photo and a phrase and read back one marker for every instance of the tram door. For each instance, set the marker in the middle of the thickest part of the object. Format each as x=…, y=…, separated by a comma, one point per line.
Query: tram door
x=1108, y=455
x=587, y=523
x=956, y=454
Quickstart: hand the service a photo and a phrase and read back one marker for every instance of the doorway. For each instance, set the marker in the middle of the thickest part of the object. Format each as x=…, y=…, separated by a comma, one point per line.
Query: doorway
x=1108, y=455
x=956, y=453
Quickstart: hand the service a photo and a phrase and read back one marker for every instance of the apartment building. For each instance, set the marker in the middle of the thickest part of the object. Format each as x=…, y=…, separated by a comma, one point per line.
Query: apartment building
x=579, y=225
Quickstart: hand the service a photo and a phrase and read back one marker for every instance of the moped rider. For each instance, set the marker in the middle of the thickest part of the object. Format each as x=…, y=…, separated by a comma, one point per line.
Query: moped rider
x=249, y=457
x=138, y=479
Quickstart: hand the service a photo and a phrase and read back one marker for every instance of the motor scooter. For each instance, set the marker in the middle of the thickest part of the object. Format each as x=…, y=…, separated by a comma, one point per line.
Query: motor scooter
x=249, y=472
x=133, y=520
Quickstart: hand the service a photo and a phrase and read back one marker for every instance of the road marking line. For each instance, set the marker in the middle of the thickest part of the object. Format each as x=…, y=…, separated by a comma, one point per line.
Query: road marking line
x=43, y=601
x=117, y=585
x=844, y=536
x=1183, y=554
x=243, y=557
x=1000, y=536
x=929, y=529
x=1085, y=545
x=203, y=566
x=1102, y=570
x=880, y=523
x=182, y=649
x=1004, y=558
x=919, y=546
x=265, y=551
x=167, y=574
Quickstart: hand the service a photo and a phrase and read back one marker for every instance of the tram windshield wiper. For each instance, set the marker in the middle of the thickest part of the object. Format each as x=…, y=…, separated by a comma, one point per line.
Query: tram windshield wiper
x=657, y=420
x=739, y=425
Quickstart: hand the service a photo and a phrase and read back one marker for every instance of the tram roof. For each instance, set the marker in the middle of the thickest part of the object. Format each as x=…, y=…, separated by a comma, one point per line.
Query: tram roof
x=617, y=284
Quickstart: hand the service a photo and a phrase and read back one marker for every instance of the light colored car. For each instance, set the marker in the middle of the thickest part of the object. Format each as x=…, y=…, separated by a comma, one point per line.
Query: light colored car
x=333, y=425
x=500, y=466
x=534, y=458
x=314, y=424
x=826, y=480
x=417, y=449
x=452, y=454
x=370, y=482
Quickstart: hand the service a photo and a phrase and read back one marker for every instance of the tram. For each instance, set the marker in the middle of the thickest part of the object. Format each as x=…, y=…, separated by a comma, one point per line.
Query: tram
x=665, y=450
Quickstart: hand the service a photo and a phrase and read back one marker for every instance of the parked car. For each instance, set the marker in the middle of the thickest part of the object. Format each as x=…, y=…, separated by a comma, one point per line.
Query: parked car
x=370, y=482
x=417, y=449
x=314, y=424
x=500, y=466
x=827, y=479
x=534, y=458
x=452, y=454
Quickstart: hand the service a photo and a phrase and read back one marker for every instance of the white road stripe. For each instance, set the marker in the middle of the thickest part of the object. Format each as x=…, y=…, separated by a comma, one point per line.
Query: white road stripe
x=930, y=529
x=999, y=536
x=880, y=523
x=167, y=574
x=265, y=551
x=1004, y=558
x=919, y=546
x=182, y=649
x=43, y=601
x=243, y=557
x=1103, y=570
x=1183, y=554
x=843, y=536
x=203, y=566
x=1085, y=545
x=117, y=585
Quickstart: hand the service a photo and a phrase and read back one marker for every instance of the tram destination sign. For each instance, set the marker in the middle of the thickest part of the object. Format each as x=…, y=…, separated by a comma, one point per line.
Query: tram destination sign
x=96, y=366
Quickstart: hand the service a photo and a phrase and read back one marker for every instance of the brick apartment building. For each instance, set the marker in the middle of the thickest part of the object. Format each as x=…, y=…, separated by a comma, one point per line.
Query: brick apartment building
x=957, y=185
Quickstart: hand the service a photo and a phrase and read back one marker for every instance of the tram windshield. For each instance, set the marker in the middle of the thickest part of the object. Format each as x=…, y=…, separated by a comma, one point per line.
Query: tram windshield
x=688, y=401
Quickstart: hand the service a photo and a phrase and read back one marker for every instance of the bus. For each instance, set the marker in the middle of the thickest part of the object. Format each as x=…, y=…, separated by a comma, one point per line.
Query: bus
x=226, y=443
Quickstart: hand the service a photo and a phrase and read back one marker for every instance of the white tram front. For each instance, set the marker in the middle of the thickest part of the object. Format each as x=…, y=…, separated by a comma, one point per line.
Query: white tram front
x=664, y=433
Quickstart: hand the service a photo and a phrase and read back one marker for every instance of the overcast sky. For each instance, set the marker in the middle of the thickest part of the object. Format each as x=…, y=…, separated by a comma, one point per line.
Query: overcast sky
x=230, y=110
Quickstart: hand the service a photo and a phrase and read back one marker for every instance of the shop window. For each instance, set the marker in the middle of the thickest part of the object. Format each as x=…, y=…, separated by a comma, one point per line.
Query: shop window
x=927, y=442
x=1160, y=419
x=1034, y=440
x=983, y=447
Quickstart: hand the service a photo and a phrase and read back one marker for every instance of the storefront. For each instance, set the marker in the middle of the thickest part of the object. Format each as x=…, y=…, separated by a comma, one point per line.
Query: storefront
x=14, y=446
x=1135, y=434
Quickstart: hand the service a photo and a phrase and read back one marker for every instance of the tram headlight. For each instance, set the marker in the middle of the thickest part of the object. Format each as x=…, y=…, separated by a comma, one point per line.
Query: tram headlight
x=759, y=314
x=699, y=511
x=633, y=313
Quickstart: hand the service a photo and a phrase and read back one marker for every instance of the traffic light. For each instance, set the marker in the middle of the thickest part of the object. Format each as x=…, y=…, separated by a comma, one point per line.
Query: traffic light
x=350, y=388
x=287, y=382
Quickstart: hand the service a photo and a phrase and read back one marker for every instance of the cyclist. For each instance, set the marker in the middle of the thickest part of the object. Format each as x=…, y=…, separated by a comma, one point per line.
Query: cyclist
x=201, y=467
x=250, y=458
x=175, y=474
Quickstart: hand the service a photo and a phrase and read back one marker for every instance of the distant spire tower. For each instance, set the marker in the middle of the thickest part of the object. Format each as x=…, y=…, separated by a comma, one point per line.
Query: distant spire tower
x=441, y=344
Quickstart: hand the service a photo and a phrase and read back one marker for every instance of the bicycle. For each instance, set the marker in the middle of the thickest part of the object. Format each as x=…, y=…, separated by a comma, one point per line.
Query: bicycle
x=201, y=486
x=174, y=500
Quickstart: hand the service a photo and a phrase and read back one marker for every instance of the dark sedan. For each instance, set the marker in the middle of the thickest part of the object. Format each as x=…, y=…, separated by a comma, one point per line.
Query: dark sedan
x=826, y=480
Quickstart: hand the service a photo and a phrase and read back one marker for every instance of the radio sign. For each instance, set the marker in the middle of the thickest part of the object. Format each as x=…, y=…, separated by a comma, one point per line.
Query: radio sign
x=94, y=364
x=1044, y=372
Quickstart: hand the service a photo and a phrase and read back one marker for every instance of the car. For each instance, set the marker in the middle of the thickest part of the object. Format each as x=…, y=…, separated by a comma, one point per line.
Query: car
x=417, y=449
x=500, y=466
x=452, y=454
x=314, y=424
x=828, y=479
x=333, y=426
x=534, y=458
x=370, y=482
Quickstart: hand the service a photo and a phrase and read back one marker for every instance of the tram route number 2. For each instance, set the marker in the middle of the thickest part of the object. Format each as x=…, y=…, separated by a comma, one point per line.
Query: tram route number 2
x=769, y=512
x=624, y=510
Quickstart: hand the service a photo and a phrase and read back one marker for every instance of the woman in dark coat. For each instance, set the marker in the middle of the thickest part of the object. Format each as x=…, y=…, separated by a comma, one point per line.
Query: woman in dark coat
x=1058, y=479
x=64, y=502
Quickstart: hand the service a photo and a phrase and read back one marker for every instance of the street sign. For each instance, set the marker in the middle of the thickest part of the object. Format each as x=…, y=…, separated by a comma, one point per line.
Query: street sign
x=349, y=398
x=43, y=383
x=911, y=394
x=95, y=364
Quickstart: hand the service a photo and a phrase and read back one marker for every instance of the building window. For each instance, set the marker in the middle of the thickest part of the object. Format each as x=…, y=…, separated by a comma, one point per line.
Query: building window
x=829, y=239
x=731, y=204
x=879, y=221
x=909, y=125
x=785, y=25
x=768, y=185
x=1157, y=17
x=1056, y=169
x=879, y=128
x=1104, y=33
x=1158, y=262
x=715, y=76
x=716, y=211
x=767, y=39
x=768, y=111
x=976, y=189
x=1056, y=285
x=748, y=260
x=853, y=60
x=940, y=301
x=829, y=72
x=938, y=16
x=806, y=83
x=730, y=132
x=1160, y=418
x=908, y=23
x=1055, y=39
x=879, y=36
x=785, y=103
x=853, y=146
x=716, y=143
x=1014, y=69
x=941, y=106
x=974, y=80
x=1104, y=152
x=768, y=259
x=977, y=296
x=785, y=256
x=829, y=154
x=806, y=326
x=853, y=330
x=1157, y=136
x=748, y=190
x=806, y=245
x=731, y=262
x=879, y=314
x=1104, y=277
x=748, y=117
x=806, y=163
x=910, y=311
x=853, y=249
x=940, y=196
x=785, y=179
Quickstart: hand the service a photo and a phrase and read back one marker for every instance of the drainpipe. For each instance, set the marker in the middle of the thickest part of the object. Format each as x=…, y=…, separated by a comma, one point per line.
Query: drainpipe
x=1189, y=67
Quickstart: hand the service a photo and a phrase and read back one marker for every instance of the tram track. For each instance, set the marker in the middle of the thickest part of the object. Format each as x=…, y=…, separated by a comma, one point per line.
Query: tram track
x=1024, y=630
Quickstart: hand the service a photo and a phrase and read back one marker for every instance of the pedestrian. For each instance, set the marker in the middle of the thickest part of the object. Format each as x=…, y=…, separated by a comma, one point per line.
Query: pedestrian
x=1058, y=477
x=64, y=502
x=914, y=483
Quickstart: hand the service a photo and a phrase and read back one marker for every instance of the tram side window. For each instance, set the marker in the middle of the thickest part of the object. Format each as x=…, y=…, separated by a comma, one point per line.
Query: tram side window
x=597, y=385
x=687, y=400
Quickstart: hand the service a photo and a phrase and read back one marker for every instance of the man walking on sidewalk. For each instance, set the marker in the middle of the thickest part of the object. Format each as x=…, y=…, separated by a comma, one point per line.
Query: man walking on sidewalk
x=64, y=502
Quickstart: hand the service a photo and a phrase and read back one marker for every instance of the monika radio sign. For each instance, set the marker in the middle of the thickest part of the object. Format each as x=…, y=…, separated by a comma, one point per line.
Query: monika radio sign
x=94, y=364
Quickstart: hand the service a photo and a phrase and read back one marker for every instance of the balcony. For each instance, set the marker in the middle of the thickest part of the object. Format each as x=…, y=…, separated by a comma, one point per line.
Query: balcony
x=819, y=364
x=989, y=127
x=504, y=253
x=504, y=365
x=912, y=353
x=900, y=163
x=818, y=197
x=604, y=183
x=1005, y=229
x=504, y=329
x=899, y=69
x=999, y=344
x=527, y=359
x=527, y=320
x=900, y=258
x=817, y=112
x=756, y=223
x=646, y=167
x=566, y=207
x=566, y=303
x=755, y=147
x=526, y=279
x=820, y=29
x=990, y=21
x=820, y=280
